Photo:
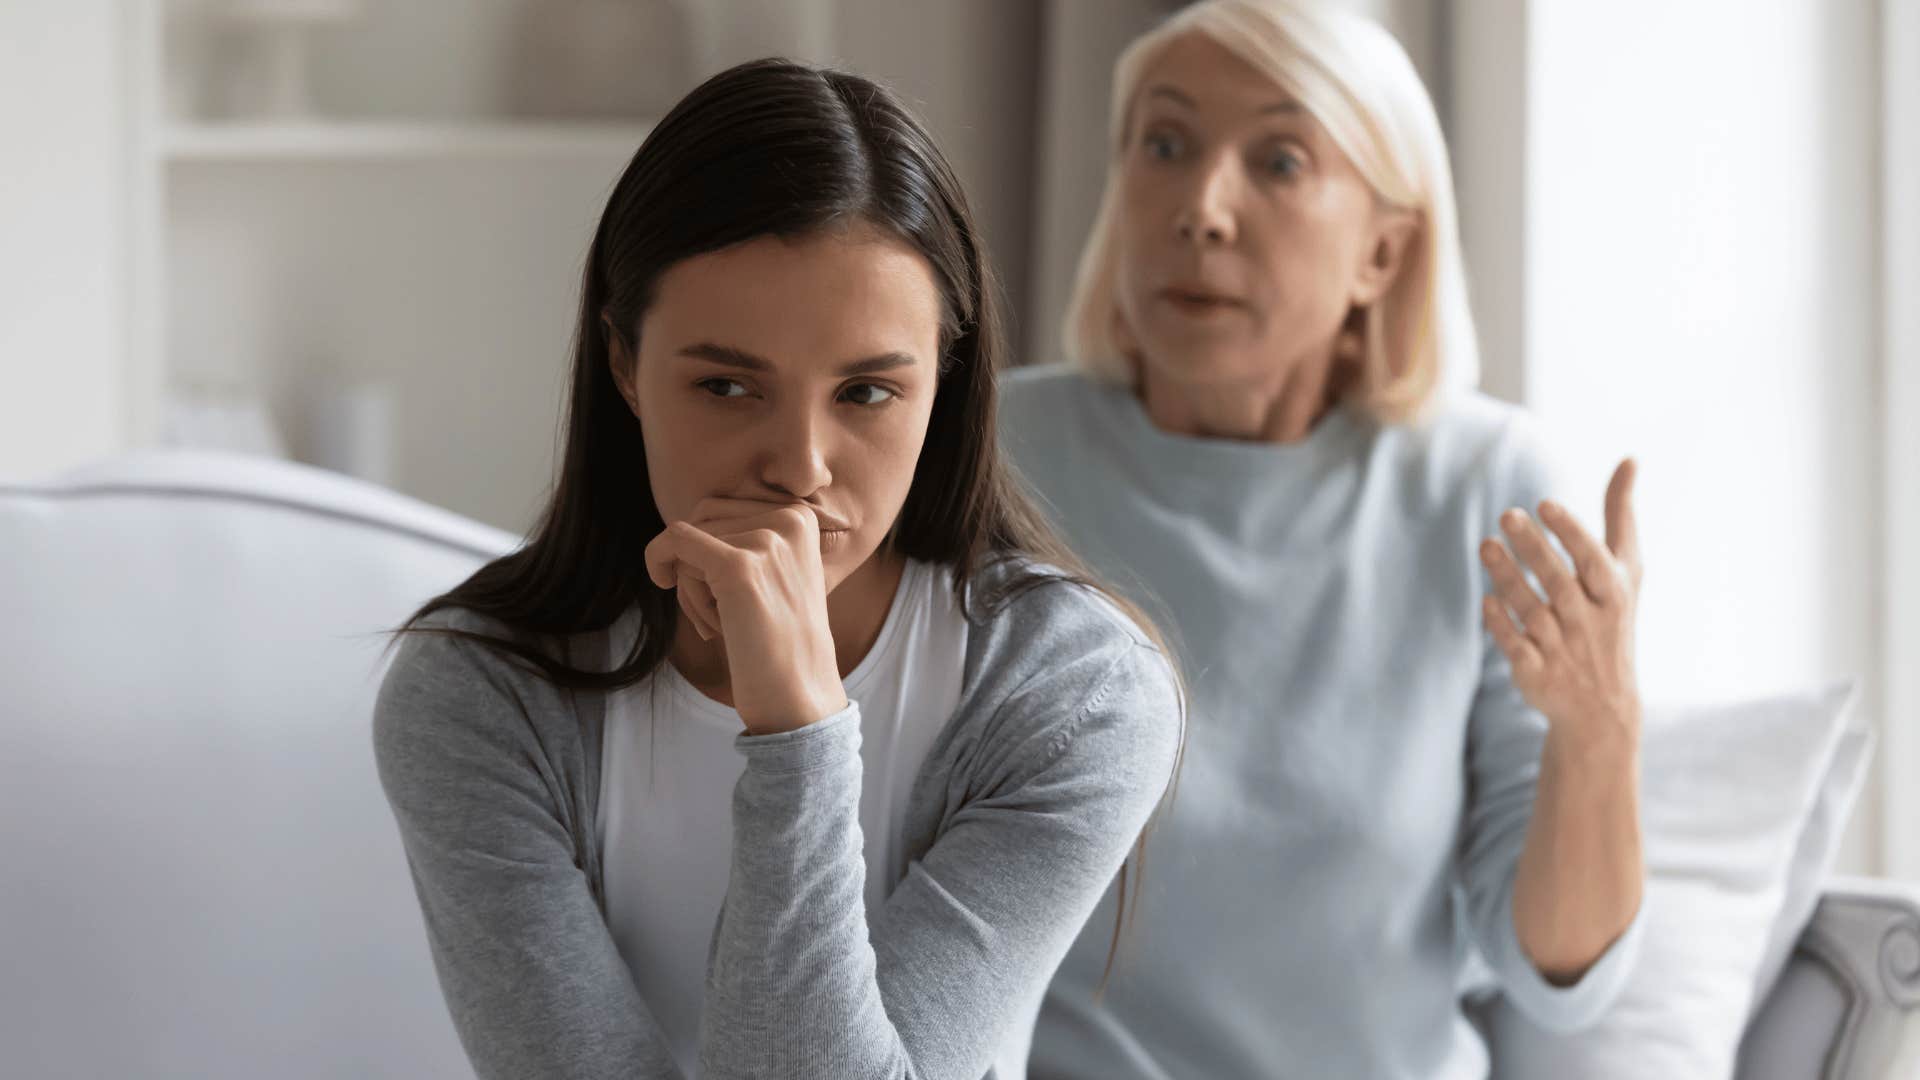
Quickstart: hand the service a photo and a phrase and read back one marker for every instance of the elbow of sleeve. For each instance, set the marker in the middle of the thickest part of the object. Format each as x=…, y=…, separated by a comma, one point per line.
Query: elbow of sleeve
x=1576, y=1006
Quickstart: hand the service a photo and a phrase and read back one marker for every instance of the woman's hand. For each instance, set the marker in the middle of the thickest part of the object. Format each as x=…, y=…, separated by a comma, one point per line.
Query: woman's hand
x=750, y=572
x=1571, y=651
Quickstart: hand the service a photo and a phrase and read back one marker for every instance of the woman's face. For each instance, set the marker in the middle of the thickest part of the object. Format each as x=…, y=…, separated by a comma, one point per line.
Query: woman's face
x=791, y=372
x=1245, y=235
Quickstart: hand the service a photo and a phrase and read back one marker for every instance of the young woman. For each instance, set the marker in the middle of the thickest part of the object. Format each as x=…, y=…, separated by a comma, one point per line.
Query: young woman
x=1401, y=749
x=791, y=744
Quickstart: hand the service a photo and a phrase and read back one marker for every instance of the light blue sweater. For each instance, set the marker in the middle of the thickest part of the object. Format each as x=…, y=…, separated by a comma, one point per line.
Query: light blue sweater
x=1355, y=749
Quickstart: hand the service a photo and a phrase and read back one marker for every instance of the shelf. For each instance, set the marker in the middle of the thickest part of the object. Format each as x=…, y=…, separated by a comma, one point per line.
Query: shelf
x=372, y=141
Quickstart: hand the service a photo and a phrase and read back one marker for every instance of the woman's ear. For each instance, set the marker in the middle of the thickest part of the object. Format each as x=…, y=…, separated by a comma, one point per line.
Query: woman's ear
x=620, y=363
x=1392, y=231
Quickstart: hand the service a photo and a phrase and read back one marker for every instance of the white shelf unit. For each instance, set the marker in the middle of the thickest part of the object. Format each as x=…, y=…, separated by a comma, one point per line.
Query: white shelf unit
x=423, y=250
x=426, y=235
x=390, y=141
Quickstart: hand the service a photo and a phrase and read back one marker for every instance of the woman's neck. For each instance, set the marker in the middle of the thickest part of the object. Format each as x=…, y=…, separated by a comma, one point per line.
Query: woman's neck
x=1283, y=408
x=856, y=610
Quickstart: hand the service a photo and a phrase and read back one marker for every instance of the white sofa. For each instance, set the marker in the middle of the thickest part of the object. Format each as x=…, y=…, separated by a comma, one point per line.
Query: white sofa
x=202, y=877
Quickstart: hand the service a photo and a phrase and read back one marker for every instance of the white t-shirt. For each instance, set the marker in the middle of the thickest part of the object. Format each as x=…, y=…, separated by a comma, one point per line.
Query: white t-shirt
x=668, y=768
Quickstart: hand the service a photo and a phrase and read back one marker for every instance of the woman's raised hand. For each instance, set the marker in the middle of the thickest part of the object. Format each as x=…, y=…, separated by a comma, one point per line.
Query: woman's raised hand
x=1571, y=650
x=750, y=572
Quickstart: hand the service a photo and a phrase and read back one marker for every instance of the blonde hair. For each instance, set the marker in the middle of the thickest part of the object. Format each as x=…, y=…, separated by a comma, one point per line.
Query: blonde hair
x=1356, y=80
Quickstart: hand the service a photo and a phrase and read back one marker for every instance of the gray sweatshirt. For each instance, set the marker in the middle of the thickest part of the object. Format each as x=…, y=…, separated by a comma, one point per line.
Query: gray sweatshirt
x=1061, y=746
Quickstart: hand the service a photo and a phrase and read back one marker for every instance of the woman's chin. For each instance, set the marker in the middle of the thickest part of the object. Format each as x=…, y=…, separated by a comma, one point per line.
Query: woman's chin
x=1204, y=361
x=841, y=557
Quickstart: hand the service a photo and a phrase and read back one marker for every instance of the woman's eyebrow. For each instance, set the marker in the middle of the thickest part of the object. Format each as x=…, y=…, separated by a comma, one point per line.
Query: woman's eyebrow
x=726, y=356
x=874, y=364
x=1175, y=96
x=729, y=356
x=1168, y=93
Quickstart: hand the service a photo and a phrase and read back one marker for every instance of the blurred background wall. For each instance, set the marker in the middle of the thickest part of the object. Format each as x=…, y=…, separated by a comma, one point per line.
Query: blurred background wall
x=350, y=232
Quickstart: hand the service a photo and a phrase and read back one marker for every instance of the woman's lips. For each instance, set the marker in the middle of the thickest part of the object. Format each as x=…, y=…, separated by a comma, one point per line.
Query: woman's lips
x=1199, y=302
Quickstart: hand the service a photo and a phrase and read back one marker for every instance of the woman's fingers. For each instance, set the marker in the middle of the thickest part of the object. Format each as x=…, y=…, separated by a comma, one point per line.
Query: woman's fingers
x=1548, y=568
x=753, y=570
x=685, y=558
x=660, y=561
x=684, y=598
x=794, y=526
x=706, y=554
x=669, y=572
x=1593, y=563
x=1508, y=582
x=1535, y=615
x=1571, y=653
x=696, y=599
x=1623, y=530
x=732, y=517
x=707, y=609
x=722, y=506
x=1513, y=642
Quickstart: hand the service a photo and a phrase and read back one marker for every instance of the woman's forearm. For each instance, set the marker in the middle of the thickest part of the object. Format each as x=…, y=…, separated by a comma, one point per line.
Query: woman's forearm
x=1570, y=644
x=1581, y=869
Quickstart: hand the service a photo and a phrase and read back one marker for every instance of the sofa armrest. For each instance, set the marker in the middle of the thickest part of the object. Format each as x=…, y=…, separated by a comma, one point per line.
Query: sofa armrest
x=1848, y=1006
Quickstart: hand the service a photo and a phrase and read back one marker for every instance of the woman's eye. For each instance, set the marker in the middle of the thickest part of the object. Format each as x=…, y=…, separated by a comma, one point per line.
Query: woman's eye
x=725, y=388
x=865, y=394
x=1162, y=146
x=1283, y=163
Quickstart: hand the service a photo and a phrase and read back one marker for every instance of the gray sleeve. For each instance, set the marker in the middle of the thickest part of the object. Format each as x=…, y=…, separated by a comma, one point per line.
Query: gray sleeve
x=1048, y=794
x=532, y=977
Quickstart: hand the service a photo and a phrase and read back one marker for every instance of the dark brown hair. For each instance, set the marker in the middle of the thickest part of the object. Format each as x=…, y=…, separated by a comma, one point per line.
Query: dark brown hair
x=768, y=148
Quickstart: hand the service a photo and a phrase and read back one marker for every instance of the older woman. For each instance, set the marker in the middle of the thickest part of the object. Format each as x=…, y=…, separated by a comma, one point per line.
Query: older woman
x=1415, y=724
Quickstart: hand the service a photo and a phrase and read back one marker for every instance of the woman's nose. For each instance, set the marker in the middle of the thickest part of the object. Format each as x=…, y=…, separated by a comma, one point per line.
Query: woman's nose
x=1196, y=228
x=1206, y=217
x=794, y=460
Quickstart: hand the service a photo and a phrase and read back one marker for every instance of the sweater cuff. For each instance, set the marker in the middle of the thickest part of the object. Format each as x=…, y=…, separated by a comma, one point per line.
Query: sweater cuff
x=820, y=743
x=1563, y=1009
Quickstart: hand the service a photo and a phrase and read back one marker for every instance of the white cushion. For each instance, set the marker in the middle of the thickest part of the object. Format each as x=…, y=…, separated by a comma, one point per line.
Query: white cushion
x=1726, y=795
x=203, y=878
x=1813, y=858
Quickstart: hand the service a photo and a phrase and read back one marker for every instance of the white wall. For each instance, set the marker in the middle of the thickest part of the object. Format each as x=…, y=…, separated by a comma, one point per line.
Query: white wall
x=62, y=202
x=1081, y=39
x=1486, y=123
x=970, y=71
x=449, y=284
x=1701, y=291
x=1900, y=408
